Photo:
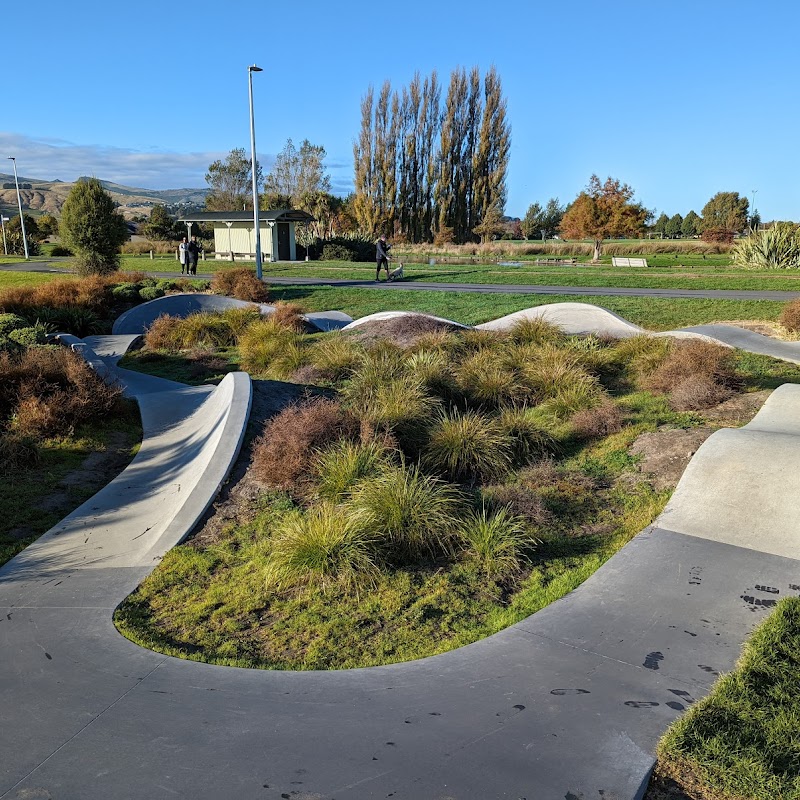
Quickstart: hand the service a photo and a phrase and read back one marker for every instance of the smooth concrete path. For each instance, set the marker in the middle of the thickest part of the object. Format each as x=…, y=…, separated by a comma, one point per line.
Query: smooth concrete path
x=567, y=704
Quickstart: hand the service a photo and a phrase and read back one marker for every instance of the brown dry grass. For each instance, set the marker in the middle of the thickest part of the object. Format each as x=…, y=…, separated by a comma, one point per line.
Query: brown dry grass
x=92, y=292
x=47, y=391
x=282, y=456
x=289, y=315
x=241, y=283
x=790, y=316
x=597, y=422
x=696, y=374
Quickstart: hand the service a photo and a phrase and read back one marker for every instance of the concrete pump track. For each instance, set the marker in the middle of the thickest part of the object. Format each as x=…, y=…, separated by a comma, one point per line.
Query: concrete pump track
x=568, y=703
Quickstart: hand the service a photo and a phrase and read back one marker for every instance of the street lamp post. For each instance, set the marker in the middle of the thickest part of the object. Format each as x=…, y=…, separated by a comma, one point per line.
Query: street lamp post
x=19, y=203
x=3, y=221
x=753, y=212
x=250, y=71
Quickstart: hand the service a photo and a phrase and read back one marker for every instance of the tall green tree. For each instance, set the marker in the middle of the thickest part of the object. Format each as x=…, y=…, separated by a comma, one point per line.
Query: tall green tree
x=660, y=226
x=691, y=225
x=230, y=182
x=161, y=226
x=491, y=157
x=298, y=172
x=672, y=229
x=15, y=242
x=92, y=228
x=542, y=222
x=604, y=210
x=366, y=206
x=725, y=214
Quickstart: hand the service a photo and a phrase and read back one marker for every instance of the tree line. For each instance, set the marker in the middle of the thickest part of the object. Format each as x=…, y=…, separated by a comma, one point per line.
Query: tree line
x=431, y=169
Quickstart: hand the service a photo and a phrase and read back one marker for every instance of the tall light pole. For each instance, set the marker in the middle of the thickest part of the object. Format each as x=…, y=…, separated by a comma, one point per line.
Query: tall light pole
x=3, y=221
x=250, y=71
x=753, y=212
x=19, y=203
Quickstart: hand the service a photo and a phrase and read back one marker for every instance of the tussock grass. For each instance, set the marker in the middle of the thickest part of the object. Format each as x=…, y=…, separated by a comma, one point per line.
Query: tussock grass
x=241, y=283
x=413, y=514
x=499, y=542
x=488, y=382
x=269, y=348
x=320, y=548
x=335, y=356
x=468, y=447
x=340, y=468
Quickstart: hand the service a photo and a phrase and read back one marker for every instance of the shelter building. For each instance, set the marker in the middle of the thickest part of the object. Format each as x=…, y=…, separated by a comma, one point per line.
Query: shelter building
x=234, y=233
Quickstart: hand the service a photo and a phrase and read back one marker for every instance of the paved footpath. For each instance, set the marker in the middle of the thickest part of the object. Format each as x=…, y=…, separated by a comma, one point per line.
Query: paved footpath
x=566, y=705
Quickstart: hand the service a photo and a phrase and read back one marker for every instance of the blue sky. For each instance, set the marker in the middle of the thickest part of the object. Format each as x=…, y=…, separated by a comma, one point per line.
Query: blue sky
x=678, y=99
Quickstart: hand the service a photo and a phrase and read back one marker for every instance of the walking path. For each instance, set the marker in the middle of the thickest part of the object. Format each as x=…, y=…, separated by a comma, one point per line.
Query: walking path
x=567, y=704
x=479, y=288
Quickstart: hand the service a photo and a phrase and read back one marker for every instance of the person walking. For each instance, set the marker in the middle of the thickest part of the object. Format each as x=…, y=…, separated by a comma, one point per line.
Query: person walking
x=192, y=254
x=182, y=248
x=382, y=257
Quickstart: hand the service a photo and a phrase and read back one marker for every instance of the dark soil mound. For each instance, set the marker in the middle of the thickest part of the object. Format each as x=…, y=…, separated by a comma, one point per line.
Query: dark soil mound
x=403, y=331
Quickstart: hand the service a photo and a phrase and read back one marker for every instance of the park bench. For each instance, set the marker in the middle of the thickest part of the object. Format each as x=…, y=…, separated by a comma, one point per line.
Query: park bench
x=616, y=261
x=557, y=261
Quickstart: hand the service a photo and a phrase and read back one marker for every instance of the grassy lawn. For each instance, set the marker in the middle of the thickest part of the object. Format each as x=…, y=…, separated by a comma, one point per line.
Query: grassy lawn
x=471, y=309
x=668, y=274
x=34, y=500
x=9, y=280
x=743, y=739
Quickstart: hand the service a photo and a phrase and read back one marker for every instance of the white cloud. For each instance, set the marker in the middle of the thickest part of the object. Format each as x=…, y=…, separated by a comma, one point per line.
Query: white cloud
x=43, y=158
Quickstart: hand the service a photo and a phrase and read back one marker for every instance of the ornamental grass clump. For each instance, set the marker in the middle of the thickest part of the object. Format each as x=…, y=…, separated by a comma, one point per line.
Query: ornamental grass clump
x=241, y=283
x=790, y=316
x=499, y=542
x=414, y=516
x=322, y=548
x=341, y=467
x=267, y=347
x=202, y=330
x=433, y=370
x=488, y=382
x=468, y=447
x=336, y=356
x=777, y=247
x=529, y=435
x=535, y=331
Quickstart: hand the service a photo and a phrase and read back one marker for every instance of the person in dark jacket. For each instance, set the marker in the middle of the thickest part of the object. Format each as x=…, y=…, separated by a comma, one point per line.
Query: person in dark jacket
x=192, y=254
x=382, y=255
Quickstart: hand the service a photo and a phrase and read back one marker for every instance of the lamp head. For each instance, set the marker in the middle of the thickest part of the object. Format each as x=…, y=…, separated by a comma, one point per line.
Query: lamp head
x=254, y=68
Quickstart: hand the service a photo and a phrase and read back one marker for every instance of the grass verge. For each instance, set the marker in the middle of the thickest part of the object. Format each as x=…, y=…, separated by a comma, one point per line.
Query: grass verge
x=743, y=739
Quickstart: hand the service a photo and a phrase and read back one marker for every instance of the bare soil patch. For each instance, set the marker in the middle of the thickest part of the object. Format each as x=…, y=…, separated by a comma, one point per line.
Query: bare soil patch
x=765, y=327
x=404, y=331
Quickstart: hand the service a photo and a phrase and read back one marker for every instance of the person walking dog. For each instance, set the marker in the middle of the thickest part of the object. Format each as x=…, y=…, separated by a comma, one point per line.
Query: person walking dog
x=382, y=257
x=192, y=254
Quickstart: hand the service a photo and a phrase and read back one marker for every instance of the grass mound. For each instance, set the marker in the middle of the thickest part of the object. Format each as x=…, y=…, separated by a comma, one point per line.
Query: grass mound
x=241, y=283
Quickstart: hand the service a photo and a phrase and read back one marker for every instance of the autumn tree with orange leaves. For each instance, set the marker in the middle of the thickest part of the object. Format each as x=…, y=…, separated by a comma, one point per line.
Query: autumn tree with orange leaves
x=604, y=211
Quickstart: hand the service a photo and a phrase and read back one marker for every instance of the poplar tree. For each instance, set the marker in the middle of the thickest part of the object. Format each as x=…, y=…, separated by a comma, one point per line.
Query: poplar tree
x=365, y=206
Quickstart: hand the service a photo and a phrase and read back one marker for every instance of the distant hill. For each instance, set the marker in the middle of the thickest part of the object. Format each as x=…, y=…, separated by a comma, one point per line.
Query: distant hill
x=48, y=196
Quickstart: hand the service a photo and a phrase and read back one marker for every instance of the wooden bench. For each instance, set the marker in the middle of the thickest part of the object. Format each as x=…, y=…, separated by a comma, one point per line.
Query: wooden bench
x=616, y=261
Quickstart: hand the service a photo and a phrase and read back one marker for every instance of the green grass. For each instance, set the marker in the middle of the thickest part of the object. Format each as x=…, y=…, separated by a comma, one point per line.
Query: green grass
x=25, y=514
x=743, y=739
x=471, y=309
x=204, y=368
x=10, y=280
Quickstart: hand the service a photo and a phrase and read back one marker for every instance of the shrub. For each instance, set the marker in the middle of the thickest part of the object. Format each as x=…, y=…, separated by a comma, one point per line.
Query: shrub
x=499, y=543
x=777, y=247
x=289, y=315
x=790, y=316
x=321, y=548
x=17, y=452
x=690, y=358
x=47, y=390
x=413, y=515
x=696, y=392
x=468, y=447
x=337, y=252
x=150, y=293
x=283, y=455
x=126, y=293
x=10, y=322
x=339, y=468
x=77, y=321
x=354, y=248
x=60, y=251
x=28, y=337
x=166, y=285
x=241, y=283
x=600, y=421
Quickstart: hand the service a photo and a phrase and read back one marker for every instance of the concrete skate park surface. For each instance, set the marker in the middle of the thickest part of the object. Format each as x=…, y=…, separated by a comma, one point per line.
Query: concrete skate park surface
x=568, y=703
